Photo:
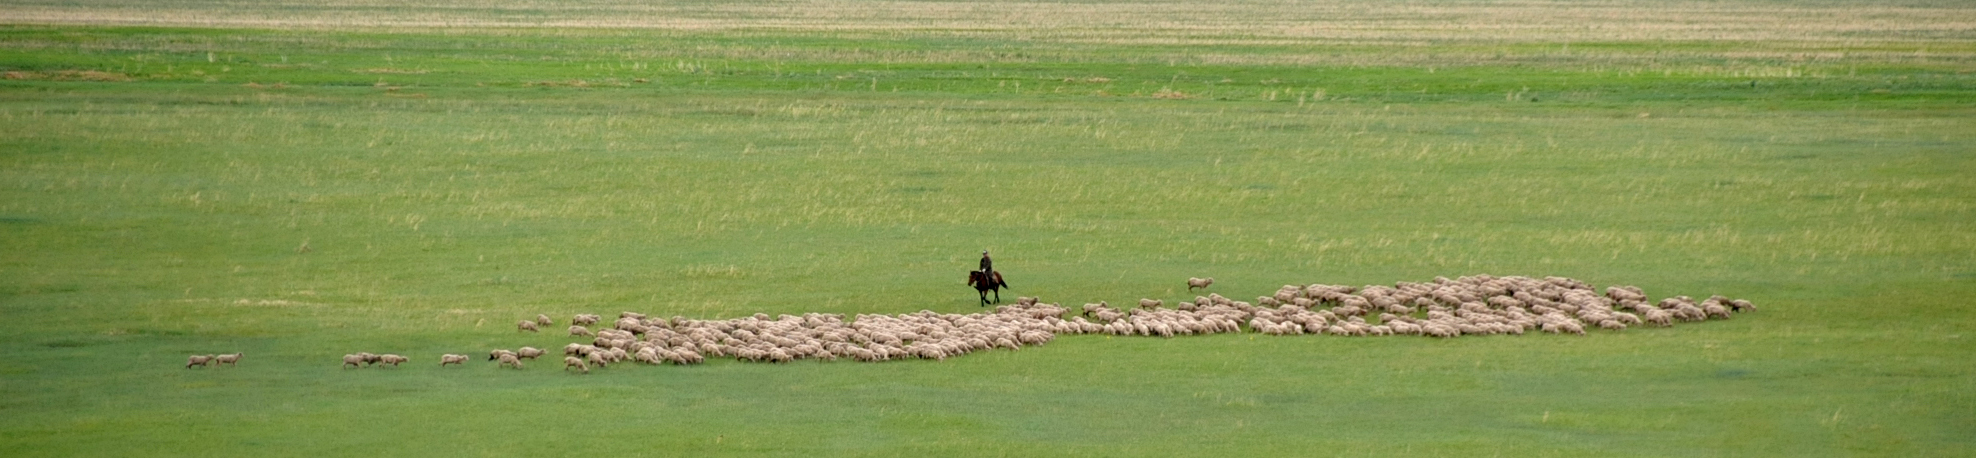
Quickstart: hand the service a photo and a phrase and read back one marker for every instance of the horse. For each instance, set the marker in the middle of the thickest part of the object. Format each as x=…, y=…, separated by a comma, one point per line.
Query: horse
x=983, y=282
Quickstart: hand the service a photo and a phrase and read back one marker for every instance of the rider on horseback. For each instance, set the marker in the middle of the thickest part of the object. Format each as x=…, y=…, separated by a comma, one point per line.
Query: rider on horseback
x=986, y=280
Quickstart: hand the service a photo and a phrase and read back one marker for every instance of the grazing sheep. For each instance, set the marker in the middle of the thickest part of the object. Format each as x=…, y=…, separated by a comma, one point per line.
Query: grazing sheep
x=230, y=360
x=572, y=349
x=1740, y=305
x=528, y=353
x=199, y=360
x=1715, y=310
x=1150, y=303
x=1201, y=283
x=526, y=325
x=450, y=358
x=497, y=354
x=510, y=360
x=543, y=320
x=356, y=360
x=571, y=361
x=576, y=330
x=393, y=360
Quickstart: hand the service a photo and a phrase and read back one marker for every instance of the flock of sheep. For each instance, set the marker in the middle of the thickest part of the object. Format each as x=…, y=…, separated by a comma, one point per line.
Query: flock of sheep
x=1445, y=308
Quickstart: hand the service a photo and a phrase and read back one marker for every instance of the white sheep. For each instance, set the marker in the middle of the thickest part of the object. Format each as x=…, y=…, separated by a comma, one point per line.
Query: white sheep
x=577, y=330
x=391, y=359
x=353, y=360
x=572, y=361
x=526, y=325
x=1713, y=310
x=1150, y=303
x=544, y=320
x=498, y=353
x=1740, y=305
x=450, y=358
x=510, y=360
x=1201, y=283
x=199, y=360
x=230, y=359
x=528, y=353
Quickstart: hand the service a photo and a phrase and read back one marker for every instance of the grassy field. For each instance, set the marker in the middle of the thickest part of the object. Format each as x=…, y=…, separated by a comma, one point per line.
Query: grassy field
x=455, y=166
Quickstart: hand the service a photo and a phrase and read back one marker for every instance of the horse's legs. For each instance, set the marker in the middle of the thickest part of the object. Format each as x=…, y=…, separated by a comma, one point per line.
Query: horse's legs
x=998, y=295
x=984, y=297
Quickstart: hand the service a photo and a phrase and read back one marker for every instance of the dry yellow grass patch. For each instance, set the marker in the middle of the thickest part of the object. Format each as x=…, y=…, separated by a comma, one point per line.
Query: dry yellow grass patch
x=1252, y=22
x=67, y=75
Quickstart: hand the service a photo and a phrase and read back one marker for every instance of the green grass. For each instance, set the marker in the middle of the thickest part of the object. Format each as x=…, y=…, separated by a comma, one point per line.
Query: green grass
x=153, y=210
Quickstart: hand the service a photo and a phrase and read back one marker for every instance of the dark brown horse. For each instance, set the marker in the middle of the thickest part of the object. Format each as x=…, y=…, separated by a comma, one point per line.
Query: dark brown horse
x=983, y=282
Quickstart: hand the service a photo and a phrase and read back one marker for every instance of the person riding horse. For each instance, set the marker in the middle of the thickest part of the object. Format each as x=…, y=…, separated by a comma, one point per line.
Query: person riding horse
x=987, y=279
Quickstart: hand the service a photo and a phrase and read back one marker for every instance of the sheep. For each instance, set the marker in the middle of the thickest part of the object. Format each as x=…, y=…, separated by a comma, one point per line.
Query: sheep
x=1740, y=305
x=199, y=360
x=528, y=353
x=230, y=360
x=647, y=355
x=1201, y=283
x=572, y=349
x=369, y=358
x=498, y=354
x=1715, y=310
x=576, y=330
x=544, y=320
x=585, y=319
x=1150, y=303
x=571, y=361
x=354, y=360
x=393, y=360
x=526, y=325
x=510, y=360
x=450, y=358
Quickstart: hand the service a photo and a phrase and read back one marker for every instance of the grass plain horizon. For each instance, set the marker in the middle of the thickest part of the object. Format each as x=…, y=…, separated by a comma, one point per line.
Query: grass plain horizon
x=452, y=167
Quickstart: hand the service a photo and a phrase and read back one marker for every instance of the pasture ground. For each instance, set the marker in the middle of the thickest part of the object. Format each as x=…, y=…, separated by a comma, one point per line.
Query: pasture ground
x=453, y=168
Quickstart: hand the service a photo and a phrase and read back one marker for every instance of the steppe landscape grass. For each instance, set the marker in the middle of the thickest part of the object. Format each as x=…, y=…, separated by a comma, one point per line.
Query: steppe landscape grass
x=453, y=167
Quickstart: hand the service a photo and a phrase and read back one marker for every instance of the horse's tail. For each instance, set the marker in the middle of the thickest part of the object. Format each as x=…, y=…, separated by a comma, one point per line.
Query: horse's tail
x=999, y=281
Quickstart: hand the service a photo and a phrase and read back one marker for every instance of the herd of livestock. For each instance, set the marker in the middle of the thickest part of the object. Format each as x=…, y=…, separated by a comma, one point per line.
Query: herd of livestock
x=1442, y=308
